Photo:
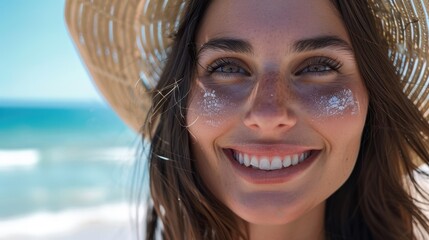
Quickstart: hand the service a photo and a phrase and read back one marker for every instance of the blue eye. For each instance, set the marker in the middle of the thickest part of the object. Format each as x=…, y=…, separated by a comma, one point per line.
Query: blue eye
x=226, y=66
x=229, y=69
x=316, y=68
x=319, y=65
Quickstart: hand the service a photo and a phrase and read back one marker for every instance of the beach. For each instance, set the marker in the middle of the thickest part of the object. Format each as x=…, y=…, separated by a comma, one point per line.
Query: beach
x=113, y=221
x=65, y=173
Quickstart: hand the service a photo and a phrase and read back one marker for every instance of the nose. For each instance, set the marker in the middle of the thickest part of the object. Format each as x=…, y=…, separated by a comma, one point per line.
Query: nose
x=269, y=109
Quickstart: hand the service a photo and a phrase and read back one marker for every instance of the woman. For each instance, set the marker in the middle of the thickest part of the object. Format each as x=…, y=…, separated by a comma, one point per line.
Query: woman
x=279, y=120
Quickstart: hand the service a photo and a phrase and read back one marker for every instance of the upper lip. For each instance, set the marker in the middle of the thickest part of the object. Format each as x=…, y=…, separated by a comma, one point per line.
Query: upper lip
x=271, y=149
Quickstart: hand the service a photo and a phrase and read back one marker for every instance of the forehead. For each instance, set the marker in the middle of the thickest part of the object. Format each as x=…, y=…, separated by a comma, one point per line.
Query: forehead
x=271, y=22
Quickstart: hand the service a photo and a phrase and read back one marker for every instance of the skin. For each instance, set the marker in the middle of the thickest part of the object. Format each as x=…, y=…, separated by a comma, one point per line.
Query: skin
x=270, y=97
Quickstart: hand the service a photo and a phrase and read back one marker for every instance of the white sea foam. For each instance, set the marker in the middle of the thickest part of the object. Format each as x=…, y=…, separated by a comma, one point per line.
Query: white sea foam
x=115, y=154
x=18, y=158
x=47, y=224
x=121, y=154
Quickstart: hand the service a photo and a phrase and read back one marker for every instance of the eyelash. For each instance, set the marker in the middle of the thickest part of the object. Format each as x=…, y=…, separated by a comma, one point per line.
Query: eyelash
x=331, y=64
x=225, y=62
x=323, y=62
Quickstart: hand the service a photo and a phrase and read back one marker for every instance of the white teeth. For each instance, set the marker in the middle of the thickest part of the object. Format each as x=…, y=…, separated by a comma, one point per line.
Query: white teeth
x=276, y=163
x=246, y=160
x=301, y=157
x=267, y=163
x=240, y=158
x=254, y=162
x=295, y=159
x=287, y=161
x=264, y=164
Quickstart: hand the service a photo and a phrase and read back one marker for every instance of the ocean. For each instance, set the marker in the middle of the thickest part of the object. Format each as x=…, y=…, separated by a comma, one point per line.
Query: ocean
x=62, y=163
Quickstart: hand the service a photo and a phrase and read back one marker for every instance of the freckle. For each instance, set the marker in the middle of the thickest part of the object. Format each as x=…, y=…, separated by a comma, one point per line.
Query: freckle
x=274, y=84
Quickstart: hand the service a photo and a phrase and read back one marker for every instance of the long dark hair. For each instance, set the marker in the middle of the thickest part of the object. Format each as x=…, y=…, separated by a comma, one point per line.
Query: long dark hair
x=374, y=203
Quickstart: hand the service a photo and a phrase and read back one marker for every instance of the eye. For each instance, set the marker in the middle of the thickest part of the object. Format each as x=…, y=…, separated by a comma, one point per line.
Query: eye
x=229, y=69
x=316, y=68
x=227, y=66
x=319, y=66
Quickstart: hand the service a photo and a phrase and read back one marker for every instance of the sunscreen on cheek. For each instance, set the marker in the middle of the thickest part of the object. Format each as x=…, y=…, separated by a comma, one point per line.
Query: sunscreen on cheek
x=211, y=107
x=216, y=103
x=338, y=104
x=330, y=103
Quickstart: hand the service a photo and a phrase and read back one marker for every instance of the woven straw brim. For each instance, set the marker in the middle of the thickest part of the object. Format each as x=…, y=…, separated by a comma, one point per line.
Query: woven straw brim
x=405, y=26
x=124, y=44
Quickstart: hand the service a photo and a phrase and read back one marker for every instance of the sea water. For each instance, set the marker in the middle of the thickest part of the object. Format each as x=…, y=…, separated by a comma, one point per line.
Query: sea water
x=55, y=160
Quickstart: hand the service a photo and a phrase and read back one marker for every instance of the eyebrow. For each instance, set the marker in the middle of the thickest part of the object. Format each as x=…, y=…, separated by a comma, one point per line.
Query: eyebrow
x=243, y=46
x=227, y=44
x=321, y=42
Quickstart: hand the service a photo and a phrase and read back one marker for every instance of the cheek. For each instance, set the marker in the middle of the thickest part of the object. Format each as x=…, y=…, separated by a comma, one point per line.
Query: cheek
x=331, y=103
x=338, y=114
x=337, y=104
x=212, y=111
x=211, y=106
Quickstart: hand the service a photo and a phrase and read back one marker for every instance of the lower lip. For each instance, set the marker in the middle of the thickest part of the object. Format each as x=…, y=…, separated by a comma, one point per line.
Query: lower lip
x=257, y=176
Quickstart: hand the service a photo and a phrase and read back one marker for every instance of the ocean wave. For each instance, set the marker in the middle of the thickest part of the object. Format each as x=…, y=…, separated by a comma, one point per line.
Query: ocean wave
x=44, y=224
x=122, y=154
x=29, y=158
x=18, y=158
x=109, y=154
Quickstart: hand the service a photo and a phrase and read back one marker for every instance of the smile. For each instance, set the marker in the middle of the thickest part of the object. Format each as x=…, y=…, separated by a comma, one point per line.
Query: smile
x=270, y=163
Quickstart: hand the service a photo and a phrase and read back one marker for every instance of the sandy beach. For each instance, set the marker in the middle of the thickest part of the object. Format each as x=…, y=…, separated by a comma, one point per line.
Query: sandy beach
x=93, y=231
x=108, y=222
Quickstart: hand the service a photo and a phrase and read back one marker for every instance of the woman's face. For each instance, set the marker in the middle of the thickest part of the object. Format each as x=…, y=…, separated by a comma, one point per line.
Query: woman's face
x=278, y=107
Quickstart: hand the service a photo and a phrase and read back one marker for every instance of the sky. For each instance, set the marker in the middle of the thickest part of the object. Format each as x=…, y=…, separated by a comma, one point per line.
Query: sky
x=38, y=60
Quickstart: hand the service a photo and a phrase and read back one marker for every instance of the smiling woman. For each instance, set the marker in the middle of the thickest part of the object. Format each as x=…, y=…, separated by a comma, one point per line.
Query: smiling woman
x=275, y=154
x=281, y=120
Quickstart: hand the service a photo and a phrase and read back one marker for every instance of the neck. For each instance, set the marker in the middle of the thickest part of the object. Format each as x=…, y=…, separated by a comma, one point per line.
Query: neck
x=308, y=226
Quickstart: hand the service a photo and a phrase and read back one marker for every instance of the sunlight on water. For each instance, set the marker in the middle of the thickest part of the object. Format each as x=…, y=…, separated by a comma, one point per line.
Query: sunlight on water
x=25, y=158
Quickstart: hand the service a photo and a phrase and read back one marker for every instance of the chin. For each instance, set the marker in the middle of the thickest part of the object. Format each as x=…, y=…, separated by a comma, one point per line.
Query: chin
x=268, y=210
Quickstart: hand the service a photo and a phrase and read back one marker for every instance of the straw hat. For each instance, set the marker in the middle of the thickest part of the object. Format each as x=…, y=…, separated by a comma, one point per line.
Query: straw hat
x=125, y=42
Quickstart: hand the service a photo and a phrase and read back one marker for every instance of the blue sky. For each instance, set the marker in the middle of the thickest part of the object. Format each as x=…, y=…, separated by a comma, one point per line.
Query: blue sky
x=38, y=61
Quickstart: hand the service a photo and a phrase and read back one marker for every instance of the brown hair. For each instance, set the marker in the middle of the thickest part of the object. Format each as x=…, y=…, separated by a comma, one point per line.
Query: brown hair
x=374, y=203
